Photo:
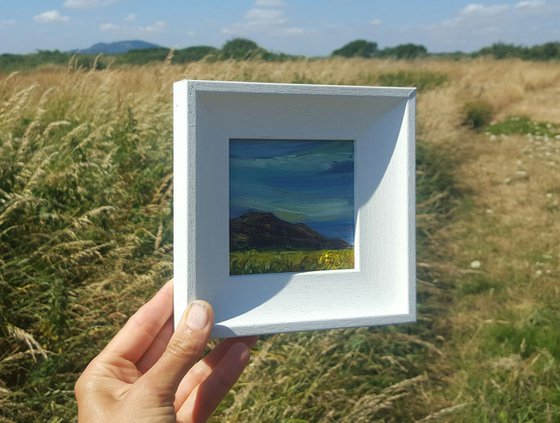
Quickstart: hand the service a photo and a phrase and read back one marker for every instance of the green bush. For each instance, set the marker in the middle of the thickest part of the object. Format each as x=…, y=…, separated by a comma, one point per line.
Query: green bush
x=192, y=54
x=241, y=49
x=478, y=114
x=357, y=48
x=405, y=51
x=143, y=56
x=546, y=51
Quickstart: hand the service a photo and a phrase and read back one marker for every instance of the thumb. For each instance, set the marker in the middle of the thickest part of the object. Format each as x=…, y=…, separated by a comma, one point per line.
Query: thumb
x=183, y=350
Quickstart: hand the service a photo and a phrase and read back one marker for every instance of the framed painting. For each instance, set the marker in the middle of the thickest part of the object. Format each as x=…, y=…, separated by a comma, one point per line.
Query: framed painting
x=294, y=205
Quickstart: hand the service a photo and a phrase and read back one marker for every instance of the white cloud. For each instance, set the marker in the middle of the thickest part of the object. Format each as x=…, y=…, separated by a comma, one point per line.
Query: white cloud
x=376, y=22
x=477, y=25
x=87, y=4
x=269, y=3
x=130, y=17
x=476, y=14
x=50, y=16
x=109, y=27
x=159, y=26
x=266, y=17
x=530, y=4
x=500, y=15
x=7, y=23
x=476, y=9
x=292, y=31
x=156, y=27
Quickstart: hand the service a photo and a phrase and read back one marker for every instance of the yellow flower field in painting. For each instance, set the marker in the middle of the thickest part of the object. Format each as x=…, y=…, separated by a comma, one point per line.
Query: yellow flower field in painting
x=252, y=262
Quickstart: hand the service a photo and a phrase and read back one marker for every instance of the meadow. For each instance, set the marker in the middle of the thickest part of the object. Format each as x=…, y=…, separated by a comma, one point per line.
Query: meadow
x=86, y=238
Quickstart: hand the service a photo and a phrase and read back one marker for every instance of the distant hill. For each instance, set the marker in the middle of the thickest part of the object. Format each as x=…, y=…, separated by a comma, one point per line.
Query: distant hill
x=265, y=231
x=117, y=47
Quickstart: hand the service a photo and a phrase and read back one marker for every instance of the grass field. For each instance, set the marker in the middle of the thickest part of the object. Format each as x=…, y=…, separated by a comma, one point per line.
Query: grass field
x=86, y=237
x=253, y=262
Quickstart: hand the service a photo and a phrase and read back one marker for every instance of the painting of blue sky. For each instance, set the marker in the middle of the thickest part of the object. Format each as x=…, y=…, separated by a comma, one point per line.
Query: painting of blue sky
x=307, y=182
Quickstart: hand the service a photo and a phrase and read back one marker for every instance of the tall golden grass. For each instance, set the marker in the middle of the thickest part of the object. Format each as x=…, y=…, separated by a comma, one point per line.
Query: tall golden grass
x=85, y=238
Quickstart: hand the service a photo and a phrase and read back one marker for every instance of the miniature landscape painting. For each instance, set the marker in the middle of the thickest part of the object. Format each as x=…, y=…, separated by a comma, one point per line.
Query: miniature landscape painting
x=291, y=205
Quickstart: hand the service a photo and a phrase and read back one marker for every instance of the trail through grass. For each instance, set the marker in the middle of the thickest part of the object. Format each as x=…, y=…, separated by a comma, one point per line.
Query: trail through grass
x=505, y=343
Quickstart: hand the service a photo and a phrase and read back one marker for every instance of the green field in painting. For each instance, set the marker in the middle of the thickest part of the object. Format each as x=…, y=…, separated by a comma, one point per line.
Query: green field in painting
x=256, y=262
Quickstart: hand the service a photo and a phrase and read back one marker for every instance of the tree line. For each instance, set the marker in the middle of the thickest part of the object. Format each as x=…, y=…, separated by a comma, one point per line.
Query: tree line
x=244, y=49
x=237, y=49
x=369, y=49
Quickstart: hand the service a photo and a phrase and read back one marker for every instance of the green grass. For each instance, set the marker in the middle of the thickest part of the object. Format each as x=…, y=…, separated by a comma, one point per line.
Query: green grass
x=525, y=339
x=524, y=126
x=85, y=219
x=422, y=80
x=516, y=377
x=436, y=190
x=478, y=284
x=253, y=262
x=86, y=237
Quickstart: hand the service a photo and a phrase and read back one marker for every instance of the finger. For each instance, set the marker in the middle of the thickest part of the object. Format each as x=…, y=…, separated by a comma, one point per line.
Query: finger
x=205, y=398
x=201, y=370
x=136, y=336
x=184, y=349
x=157, y=348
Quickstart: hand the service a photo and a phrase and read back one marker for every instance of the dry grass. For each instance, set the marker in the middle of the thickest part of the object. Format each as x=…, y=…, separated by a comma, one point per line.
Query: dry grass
x=505, y=342
x=506, y=335
x=85, y=237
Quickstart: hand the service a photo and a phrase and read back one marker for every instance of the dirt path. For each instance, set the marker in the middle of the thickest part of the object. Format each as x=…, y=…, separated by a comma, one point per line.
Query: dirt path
x=505, y=347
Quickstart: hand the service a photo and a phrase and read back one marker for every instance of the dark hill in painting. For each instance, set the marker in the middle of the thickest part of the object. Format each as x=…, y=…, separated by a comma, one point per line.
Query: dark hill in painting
x=265, y=231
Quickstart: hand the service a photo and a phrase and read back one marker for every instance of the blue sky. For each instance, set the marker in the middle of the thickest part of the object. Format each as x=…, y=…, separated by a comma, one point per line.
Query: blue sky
x=309, y=182
x=310, y=27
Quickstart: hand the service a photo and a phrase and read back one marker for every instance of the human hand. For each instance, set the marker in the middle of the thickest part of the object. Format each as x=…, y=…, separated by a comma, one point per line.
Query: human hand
x=149, y=373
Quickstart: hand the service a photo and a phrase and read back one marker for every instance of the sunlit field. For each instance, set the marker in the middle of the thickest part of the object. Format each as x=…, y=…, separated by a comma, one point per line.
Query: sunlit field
x=86, y=238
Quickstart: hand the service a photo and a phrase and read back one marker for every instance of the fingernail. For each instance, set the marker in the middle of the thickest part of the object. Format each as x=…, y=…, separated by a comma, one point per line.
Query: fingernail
x=197, y=316
x=241, y=350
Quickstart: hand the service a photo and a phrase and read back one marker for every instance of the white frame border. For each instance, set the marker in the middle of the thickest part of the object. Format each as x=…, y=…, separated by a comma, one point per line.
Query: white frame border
x=380, y=290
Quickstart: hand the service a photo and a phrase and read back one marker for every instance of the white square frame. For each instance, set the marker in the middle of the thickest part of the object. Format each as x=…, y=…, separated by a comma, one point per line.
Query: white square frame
x=380, y=290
